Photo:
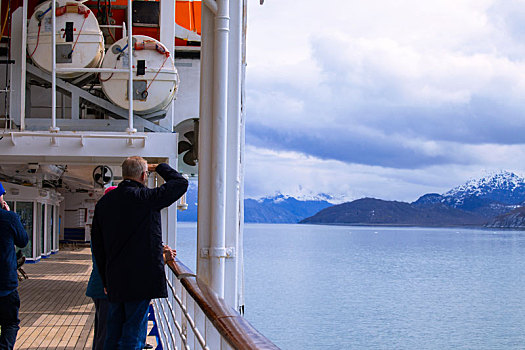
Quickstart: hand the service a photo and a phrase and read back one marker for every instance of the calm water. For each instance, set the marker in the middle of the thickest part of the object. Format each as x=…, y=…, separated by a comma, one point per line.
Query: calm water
x=326, y=287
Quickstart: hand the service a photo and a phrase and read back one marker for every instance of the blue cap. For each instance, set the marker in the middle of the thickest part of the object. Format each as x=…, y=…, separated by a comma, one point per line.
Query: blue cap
x=2, y=191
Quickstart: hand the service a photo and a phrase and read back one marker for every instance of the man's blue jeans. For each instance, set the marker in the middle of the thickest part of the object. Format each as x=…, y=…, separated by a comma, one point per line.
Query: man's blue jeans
x=127, y=325
x=9, y=321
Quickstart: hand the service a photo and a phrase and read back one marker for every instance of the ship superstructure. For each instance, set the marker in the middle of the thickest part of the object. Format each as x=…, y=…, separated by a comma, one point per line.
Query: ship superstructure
x=87, y=84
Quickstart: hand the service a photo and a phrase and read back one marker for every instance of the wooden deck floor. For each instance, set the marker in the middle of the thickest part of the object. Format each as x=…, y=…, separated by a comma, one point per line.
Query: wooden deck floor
x=54, y=311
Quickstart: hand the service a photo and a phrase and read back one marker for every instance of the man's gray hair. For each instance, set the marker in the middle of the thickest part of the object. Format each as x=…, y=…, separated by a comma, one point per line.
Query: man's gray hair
x=133, y=167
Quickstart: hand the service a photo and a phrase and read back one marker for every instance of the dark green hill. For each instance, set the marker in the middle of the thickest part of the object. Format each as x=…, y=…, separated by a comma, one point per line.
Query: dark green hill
x=371, y=211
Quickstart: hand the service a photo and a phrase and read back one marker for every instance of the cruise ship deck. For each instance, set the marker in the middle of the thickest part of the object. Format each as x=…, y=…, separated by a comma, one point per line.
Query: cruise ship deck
x=54, y=311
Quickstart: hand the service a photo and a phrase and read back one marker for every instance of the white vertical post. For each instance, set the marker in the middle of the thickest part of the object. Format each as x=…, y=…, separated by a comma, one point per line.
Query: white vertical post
x=16, y=73
x=22, y=58
x=53, y=127
x=167, y=37
x=35, y=229
x=167, y=25
x=130, y=129
x=44, y=233
x=240, y=238
x=234, y=181
x=218, y=161
x=169, y=217
x=55, y=227
x=205, y=148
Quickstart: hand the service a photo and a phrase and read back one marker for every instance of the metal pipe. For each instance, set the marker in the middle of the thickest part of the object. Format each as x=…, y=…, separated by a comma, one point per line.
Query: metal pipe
x=81, y=137
x=110, y=26
x=240, y=238
x=167, y=324
x=92, y=70
x=23, y=61
x=53, y=127
x=234, y=183
x=182, y=336
x=107, y=70
x=76, y=136
x=219, y=145
x=186, y=314
x=130, y=128
x=212, y=6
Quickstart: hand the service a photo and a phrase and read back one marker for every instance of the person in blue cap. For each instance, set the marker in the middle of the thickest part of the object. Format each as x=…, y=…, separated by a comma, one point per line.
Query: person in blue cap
x=3, y=204
x=11, y=233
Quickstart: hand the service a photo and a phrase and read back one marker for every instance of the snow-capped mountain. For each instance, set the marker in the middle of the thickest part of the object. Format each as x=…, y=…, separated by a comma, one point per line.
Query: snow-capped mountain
x=504, y=187
x=477, y=201
x=490, y=196
x=275, y=209
x=281, y=209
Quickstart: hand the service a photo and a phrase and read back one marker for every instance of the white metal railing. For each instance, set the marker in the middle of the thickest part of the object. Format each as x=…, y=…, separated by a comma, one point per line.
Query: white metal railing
x=194, y=317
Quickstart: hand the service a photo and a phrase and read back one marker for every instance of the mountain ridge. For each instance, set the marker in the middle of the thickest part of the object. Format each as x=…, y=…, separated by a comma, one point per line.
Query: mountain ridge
x=372, y=211
x=477, y=202
x=277, y=209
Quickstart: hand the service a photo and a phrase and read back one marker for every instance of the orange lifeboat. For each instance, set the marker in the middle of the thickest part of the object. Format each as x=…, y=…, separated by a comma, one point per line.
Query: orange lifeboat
x=146, y=19
x=188, y=22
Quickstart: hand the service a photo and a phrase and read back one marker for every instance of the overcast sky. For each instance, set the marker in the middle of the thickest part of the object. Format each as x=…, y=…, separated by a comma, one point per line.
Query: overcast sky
x=384, y=99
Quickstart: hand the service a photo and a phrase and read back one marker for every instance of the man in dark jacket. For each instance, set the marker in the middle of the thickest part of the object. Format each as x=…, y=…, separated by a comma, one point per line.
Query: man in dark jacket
x=127, y=244
x=11, y=233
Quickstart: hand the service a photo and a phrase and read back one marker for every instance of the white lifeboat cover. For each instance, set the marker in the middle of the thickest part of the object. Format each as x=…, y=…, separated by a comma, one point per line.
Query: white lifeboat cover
x=159, y=81
x=86, y=50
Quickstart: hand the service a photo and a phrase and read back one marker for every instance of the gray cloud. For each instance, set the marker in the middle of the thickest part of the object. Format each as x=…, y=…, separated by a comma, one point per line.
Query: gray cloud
x=378, y=111
x=434, y=89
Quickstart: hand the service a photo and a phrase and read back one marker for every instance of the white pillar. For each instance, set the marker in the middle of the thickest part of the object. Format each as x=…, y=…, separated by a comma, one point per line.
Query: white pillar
x=205, y=150
x=53, y=127
x=212, y=149
x=167, y=37
x=17, y=76
x=233, y=293
x=168, y=215
x=167, y=25
x=218, y=162
x=130, y=129
x=23, y=64
x=221, y=149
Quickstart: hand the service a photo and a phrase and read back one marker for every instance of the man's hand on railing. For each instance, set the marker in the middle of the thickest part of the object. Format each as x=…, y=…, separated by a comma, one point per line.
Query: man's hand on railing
x=168, y=254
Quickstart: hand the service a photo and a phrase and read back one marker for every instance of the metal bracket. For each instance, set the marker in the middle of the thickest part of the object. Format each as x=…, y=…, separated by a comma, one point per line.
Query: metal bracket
x=140, y=90
x=228, y=252
x=63, y=53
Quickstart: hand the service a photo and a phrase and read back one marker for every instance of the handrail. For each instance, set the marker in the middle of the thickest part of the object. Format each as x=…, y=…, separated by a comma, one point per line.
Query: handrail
x=234, y=328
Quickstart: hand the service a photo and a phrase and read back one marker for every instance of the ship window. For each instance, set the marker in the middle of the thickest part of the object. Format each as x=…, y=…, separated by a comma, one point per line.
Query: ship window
x=25, y=211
